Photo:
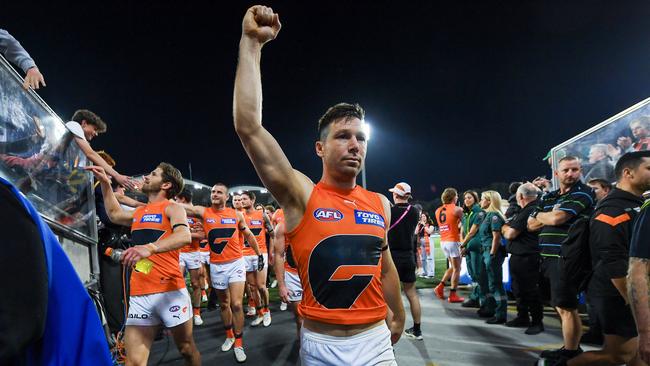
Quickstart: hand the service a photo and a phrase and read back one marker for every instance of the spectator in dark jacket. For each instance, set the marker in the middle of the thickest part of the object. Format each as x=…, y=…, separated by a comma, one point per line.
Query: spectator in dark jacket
x=610, y=231
x=513, y=206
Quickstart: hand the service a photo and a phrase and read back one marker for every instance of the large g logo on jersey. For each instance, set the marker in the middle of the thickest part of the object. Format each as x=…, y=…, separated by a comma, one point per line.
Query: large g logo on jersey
x=341, y=268
x=218, y=238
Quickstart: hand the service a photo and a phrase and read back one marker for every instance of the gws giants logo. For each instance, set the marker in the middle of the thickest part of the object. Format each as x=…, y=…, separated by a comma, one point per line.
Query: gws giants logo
x=328, y=214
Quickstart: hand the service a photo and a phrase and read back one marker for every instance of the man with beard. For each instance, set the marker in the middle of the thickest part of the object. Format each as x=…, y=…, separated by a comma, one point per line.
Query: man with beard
x=557, y=211
x=337, y=229
x=226, y=229
x=158, y=295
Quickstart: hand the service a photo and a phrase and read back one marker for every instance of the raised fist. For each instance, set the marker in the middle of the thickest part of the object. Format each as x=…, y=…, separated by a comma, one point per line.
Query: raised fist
x=261, y=23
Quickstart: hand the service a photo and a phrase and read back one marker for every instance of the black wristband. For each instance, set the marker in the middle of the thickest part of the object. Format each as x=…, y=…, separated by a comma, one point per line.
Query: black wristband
x=177, y=225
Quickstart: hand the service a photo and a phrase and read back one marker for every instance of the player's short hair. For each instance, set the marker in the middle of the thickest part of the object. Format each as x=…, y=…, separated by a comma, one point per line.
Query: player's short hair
x=448, y=195
x=90, y=118
x=249, y=194
x=186, y=194
x=335, y=113
x=630, y=160
x=173, y=176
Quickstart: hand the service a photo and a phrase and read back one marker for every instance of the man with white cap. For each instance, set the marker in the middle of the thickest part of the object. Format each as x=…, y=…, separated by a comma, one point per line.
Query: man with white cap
x=404, y=219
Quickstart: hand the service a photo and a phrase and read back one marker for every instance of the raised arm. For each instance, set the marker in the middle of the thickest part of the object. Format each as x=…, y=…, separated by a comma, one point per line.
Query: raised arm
x=99, y=161
x=289, y=187
x=115, y=213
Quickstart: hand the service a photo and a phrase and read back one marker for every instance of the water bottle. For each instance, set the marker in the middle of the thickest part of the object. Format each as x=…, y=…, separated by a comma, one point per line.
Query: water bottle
x=143, y=265
x=114, y=254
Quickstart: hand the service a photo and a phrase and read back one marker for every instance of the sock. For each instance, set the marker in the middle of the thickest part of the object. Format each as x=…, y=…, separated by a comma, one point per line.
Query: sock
x=265, y=309
x=239, y=342
x=416, y=327
x=203, y=293
x=251, y=303
x=197, y=311
x=229, y=332
x=259, y=310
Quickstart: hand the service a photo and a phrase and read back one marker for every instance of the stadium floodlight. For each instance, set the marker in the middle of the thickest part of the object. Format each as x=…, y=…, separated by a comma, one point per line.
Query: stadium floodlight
x=366, y=129
x=264, y=191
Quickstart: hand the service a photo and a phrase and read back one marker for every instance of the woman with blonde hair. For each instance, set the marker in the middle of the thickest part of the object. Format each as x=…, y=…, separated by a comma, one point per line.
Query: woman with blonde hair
x=494, y=253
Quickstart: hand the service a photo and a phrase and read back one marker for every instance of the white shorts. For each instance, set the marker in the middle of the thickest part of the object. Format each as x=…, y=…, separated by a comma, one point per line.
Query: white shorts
x=450, y=248
x=223, y=274
x=205, y=257
x=292, y=281
x=251, y=262
x=371, y=347
x=190, y=260
x=169, y=308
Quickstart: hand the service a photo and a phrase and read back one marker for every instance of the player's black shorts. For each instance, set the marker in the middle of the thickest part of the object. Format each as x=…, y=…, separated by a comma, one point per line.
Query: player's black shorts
x=614, y=316
x=563, y=294
x=405, y=269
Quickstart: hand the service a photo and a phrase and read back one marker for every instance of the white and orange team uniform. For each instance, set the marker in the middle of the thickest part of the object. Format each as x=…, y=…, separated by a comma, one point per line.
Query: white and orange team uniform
x=255, y=222
x=225, y=242
x=291, y=277
x=449, y=226
x=159, y=297
x=190, y=257
x=337, y=249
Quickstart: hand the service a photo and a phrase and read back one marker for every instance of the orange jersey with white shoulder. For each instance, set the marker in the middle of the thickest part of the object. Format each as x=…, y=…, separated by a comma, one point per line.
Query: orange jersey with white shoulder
x=150, y=224
x=289, y=261
x=337, y=249
x=224, y=238
x=448, y=222
x=255, y=222
x=194, y=245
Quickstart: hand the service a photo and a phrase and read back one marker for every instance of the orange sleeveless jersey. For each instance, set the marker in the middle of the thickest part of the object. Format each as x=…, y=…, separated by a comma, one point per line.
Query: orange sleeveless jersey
x=150, y=224
x=255, y=222
x=224, y=239
x=337, y=249
x=289, y=261
x=194, y=245
x=448, y=223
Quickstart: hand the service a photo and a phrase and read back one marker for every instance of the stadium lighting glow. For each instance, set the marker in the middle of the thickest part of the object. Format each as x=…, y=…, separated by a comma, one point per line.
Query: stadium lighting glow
x=264, y=191
x=366, y=129
x=197, y=186
x=240, y=191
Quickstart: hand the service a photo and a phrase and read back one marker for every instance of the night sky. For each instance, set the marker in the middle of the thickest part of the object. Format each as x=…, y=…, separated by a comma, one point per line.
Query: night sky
x=458, y=94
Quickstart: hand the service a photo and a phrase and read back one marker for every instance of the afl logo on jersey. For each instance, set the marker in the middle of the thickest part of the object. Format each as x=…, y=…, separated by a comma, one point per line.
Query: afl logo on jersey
x=328, y=214
x=156, y=218
x=190, y=221
x=210, y=221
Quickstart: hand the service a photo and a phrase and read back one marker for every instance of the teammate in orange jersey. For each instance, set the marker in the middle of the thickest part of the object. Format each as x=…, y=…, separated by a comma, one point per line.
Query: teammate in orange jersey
x=158, y=230
x=448, y=216
x=257, y=222
x=336, y=228
x=286, y=273
x=252, y=297
x=226, y=229
x=190, y=257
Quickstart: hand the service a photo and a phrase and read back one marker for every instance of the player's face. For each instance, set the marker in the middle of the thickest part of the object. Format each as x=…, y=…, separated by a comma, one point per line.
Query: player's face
x=468, y=200
x=236, y=202
x=344, y=149
x=218, y=195
x=246, y=202
x=640, y=177
x=152, y=182
x=568, y=173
